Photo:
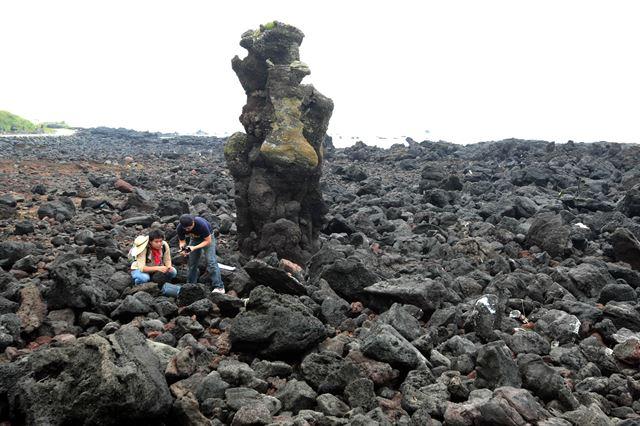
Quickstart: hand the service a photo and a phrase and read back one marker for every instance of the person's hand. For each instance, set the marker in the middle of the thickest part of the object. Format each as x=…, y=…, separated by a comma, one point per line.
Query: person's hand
x=163, y=269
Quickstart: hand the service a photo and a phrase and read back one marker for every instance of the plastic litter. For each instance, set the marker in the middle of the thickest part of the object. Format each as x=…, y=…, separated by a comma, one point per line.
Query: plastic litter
x=170, y=290
x=516, y=314
x=488, y=302
x=226, y=267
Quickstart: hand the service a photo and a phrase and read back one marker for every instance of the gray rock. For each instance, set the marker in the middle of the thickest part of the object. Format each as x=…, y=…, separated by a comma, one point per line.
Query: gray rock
x=139, y=304
x=84, y=237
x=360, y=393
x=72, y=287
x=349, y=278
x=265, y=369
x=543, y=380
x=61, y=210
x=228, y=305
x=24, y=227
x=512, y=406
x=334, y=310
x=12, y=251
x=296, y=395
x=191, y=293
x=628, y=351
x=404, y=323
x=144, y=220
x=630, y=203
x=275, y=278
x=589, y=280
x=256, y=414
x=200, y=308
x=527, y=341
x=240, y=397
x=496, y=367
x=331, y=405
x=92, y=319
x=275, y=325
x=186, y=325
x=420, y=391
x=426, y=294
x=213, y=386
x=626, y=247
x=588, y=416
x=623, y=314
x=559, y=325
x=618, y=293
x=9, y=330
x=236, y=373
x=549, y=233
x=327, y=372
x=81, y=382
x=384, y=343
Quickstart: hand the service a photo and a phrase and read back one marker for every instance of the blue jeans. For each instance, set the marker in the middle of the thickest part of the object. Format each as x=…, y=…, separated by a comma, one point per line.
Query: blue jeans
x=140, y=277
x=212, y=263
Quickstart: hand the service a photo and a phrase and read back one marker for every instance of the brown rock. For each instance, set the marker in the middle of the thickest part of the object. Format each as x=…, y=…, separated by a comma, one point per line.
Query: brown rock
x=150, y=287
x=153, y=334
x=187, y=412
x=254, y=414
x=43, y=340
x=13, y=353
x=64, y=339
x=289, y=266
x=380, y=373
x=123, y=186
x=33, y=310
x=181, y=365
x=628, y=351
x=18, y=274
x=223, y=344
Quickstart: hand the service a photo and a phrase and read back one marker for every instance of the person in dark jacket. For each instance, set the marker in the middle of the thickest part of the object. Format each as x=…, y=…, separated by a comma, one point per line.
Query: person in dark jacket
x=201, y=239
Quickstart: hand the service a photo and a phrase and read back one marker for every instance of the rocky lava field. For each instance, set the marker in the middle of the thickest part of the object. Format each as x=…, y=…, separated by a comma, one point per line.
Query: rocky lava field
x=490, y=284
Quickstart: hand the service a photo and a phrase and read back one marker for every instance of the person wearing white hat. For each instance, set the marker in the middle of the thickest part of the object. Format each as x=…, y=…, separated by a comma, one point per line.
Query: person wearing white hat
x=152, y=254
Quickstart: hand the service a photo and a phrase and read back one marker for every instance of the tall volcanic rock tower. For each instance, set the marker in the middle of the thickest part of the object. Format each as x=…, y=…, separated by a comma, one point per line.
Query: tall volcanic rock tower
x=277, y=164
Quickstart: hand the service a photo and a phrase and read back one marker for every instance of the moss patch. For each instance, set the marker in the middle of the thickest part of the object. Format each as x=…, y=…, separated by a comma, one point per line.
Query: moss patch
x=235, y=146
x=286, y=145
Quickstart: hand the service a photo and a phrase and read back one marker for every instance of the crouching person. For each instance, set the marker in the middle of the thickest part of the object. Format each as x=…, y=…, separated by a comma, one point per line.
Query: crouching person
x=201, y=239
x=152, y=254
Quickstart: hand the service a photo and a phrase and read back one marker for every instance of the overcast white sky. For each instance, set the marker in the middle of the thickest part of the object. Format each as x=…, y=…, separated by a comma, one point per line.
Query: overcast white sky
x=465, y=71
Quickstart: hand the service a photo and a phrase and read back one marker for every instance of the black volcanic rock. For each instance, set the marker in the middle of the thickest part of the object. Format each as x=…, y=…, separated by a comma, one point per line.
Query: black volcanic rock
x=61, y=209
x=275, y=325
x=277, y=164
x=431, y=255
x=79, y=382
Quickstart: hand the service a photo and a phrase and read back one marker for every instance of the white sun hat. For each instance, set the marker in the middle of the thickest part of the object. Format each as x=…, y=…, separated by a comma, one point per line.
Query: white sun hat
x=139, y=245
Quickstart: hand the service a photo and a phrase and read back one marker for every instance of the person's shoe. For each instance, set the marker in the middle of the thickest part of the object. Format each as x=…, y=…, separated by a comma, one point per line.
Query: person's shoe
x=218, y=290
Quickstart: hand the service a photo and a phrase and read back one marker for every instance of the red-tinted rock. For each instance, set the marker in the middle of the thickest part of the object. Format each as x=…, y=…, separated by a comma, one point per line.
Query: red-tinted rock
x=123, y=186
x=32, y=309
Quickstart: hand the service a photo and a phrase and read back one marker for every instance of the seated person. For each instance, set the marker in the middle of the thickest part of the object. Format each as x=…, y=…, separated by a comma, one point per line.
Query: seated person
x=152, y=254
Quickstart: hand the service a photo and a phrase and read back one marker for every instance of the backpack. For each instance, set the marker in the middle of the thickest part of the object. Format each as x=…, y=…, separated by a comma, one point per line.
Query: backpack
x=164, y=250
x=130, y=257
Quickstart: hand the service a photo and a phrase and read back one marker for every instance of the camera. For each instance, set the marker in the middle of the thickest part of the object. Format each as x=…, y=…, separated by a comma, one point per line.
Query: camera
x=186, y=249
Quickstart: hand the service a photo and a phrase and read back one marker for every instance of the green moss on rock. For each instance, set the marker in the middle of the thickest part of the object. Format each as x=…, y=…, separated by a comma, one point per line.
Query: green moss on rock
x=286, y=145
x=236, y=145
x=270, y=25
